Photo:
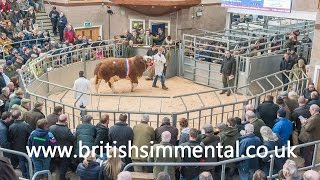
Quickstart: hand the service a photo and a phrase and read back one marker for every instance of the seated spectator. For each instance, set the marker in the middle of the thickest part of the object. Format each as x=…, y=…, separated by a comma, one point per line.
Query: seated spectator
x=205, y=176
x=259, y=175
x=283, y=126
x=311, y=175
x=13, y=5
x=307, y=91
x=54, y=117
x=248, y=167
x=112, y=166
x=257, y=123
x=9, y=69
x=184, y=131
x=4, y=40
x=41, y=137
x=5, y=9
x=23, y=6
x=32, y=117
x=69, y=34
x=85, y=133
x=166, y=126
x=89, y=169
x=124, y=175
x=290, y=170
x=7, y=170
x=164, y=148
x=314, y=99
x=267, y=111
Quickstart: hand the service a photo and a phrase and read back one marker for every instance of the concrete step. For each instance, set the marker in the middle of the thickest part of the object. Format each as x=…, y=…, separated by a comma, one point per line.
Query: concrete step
x=44, y=20
x=42, y=17
x=41, y=14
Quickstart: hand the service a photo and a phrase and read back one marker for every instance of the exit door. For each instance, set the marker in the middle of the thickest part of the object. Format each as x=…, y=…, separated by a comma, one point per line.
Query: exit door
x=91, y=33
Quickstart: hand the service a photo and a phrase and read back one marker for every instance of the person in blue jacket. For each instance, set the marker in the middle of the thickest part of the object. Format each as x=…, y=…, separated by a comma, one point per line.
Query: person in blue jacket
x=62, y=22
x=283, y=126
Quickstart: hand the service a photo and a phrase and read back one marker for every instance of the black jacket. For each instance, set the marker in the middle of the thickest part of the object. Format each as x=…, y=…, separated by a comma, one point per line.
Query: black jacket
x=102, y=135
x=286, y=65
x=54, y=15
x=63, y=135
x=228, y=66
x=300, y=111
x=307, y=94
x=267, y=111
x=52, y=119
x=6, y=169
x=165, y=127
x=210, y=140
x=86, y=133
x=32, y=117
x=121, y=133
x=62, y=21
x=189, y=172
x=19, y=133
x=314, y=101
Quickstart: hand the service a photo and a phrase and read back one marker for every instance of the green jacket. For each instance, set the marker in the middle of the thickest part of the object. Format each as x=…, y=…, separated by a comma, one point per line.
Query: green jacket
x=297, y=73
x=168, y=57
x=257, y=124
x=9, y=70
x=164, y=156
x=228, y=137
x=14, y=100
x=129, y=52
x=144, y=40
x=143, y=134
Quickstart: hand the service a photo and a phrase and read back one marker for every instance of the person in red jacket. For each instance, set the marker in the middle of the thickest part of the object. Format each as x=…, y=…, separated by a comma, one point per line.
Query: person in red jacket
x=5, y=8
x=69, y=34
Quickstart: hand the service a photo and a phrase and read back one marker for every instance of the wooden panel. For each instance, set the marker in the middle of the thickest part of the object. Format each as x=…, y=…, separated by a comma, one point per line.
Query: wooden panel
x=91, y=33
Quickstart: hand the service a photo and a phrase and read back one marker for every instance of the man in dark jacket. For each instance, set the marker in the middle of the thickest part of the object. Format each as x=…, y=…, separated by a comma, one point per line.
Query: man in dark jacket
x=307, y=92
x=62, y=22
x=209, y=139
x=31, y=117
x=228, y=71
x=4, y=79
x=267, y=111
x=85, y=133
x=286, y=65
x=190, y=172
x=122, y=134
x=54, y=15
x=4, y=97
x=102, y=131
x=314, y=99
x=166, y=126
x=19, y=133
x=64, y=138
x=248, y=167
x=160, y=37
x=6, y=169
x=152, y=51
x=54, y=117
x=16, y=99
x=5, y=122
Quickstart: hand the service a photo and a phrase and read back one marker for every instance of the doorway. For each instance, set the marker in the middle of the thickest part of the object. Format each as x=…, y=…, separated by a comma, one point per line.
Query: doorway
x=92, y=32
x=154, y=25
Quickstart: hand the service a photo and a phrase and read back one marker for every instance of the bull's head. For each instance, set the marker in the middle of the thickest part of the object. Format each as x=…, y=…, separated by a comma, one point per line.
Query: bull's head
x=149, y=62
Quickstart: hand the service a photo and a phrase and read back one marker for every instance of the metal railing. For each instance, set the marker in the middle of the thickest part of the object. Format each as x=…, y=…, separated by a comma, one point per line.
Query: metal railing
x=224, y=163
x=44, y=172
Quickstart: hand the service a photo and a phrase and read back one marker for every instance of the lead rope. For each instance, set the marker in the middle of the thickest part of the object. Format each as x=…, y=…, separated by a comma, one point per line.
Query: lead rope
x=127, y=68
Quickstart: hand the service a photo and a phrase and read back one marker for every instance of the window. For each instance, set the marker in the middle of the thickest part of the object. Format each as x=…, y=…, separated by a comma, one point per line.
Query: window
x=137, y=24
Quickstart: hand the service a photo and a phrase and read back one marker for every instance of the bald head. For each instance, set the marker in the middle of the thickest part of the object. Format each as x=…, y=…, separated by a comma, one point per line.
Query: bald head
x=311, y=175
x=205, y=176
x=166, y=136
x=63, y=118
x=249, y=107
x=302, y=100
x=124, y=175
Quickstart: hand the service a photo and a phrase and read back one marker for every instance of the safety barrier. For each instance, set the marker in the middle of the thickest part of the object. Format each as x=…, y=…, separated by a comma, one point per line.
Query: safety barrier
x=224, y=163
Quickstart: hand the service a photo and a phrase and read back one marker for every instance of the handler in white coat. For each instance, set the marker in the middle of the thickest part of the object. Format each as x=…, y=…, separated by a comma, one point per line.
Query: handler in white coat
x=159, y=62
x=83, y=86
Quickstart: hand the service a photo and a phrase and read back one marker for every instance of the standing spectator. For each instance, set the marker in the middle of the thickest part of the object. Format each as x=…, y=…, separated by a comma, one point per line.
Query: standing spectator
x=271, y=141
x=31, y=117
x=190, y=172
x=69, y=34
x=129, y=50
x=19, y=133
x=307, y=91
x=267, y=111
x=286, y=65
x=184, y=131
x=31, y=17
x=65, y=139
x=164, y=148
x=248, y=167
x=297, y=73
x=152, y=51
x=143, y=135
x=135, y=38
x=257, y=123
x=209, y=139
x=167, y=55
x=4, y=97
x=82, y=87
x=314, y=99
x=281, y=104
x=62, y=22
x=166, y=126
x=7, y=170
x=85, y=133
x=310, y=133
x=302, y=110
x=290, y=170
x=283, y=126
x=24, y=107
x=163, y=176
x=5, y=122
x=311, y=175
x=205, y=176
x=4, y=79
x=112, y=166
x=89, y=169
x=292, y=101
x=54, y=117
x=54, y=15
x=160, y=37
x=159, y=60
x=259, y=175
x=16, y=99
x=23, y=6
x=41, y=137
x=122, y=133
x=168, y=41
x=147, y=39
x=228, y=71
x=102, y=131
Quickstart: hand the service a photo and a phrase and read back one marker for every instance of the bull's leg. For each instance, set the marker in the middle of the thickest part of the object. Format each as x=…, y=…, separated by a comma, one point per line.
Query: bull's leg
x=134, y=83
x=97, y=85
x=111, y=85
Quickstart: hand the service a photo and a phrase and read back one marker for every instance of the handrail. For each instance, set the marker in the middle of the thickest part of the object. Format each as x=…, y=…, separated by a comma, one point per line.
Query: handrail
x=42, y=172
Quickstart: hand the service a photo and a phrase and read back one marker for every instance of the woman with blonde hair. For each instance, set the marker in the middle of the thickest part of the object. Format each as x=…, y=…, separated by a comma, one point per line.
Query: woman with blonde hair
x=111, y=167
x=89, y=169
x=272, y=142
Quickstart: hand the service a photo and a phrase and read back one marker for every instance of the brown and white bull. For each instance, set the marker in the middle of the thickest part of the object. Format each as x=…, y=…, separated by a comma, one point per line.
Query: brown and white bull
x=113, y=69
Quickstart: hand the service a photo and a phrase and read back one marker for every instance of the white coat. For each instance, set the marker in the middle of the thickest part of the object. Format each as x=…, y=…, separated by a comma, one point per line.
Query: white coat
x=83, y=85
x=159, y=61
